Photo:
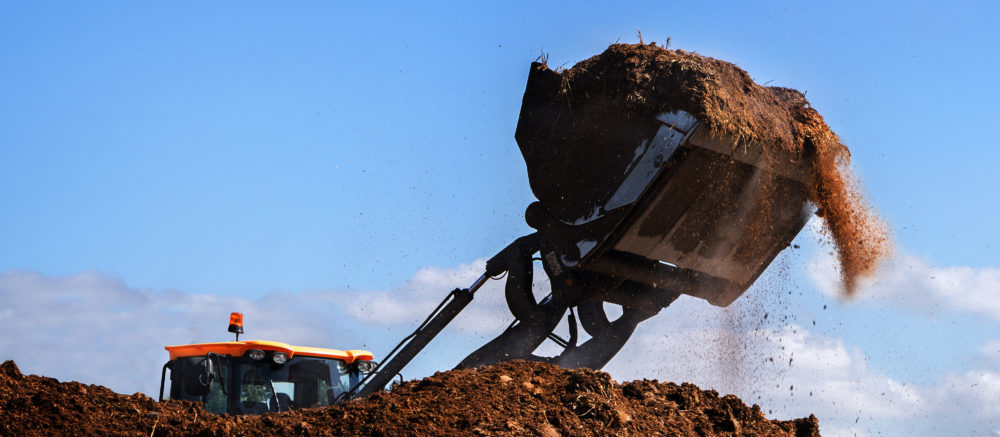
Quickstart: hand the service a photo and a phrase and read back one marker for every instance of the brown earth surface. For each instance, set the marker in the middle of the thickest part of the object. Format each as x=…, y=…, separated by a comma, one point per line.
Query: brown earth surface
x=514, y=398
x=645, y=79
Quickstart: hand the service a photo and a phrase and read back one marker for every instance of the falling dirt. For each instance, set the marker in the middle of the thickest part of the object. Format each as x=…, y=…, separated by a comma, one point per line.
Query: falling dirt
x=645, y=79
x=515, y=398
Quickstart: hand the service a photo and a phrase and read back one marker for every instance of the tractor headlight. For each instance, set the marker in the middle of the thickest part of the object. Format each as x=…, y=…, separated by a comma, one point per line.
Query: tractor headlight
x=279, y=358
x=366, y=366
x=255, y=354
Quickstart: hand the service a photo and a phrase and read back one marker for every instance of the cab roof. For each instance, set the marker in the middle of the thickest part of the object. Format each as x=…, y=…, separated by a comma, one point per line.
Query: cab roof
x=239, y=348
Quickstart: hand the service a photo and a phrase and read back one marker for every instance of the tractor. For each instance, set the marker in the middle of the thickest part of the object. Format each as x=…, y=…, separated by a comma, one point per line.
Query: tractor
x=632, y=210
x=256, y=377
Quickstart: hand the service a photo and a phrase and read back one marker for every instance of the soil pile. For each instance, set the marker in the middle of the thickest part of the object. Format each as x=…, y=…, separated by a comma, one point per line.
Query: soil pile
x=515, y=398
x=645, y=79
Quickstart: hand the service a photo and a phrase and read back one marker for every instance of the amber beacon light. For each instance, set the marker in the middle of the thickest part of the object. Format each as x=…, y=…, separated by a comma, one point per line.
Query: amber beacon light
x=236, y=324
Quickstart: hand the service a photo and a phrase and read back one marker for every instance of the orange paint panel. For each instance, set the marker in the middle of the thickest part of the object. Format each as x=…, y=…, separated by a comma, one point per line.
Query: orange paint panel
x=239, y=348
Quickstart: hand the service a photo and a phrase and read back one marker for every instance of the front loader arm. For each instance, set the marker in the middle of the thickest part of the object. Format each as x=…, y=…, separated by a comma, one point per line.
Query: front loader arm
x=445, y=312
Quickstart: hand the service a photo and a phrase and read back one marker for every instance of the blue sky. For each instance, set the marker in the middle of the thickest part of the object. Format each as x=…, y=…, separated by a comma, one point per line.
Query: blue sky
x=237, y=153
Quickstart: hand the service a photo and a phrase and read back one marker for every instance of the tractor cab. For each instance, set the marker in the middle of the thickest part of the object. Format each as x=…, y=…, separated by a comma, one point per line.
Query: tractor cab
x=256, y=377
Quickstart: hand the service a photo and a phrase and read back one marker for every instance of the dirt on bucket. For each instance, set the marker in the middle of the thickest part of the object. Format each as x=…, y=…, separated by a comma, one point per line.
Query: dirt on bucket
x=645, y=79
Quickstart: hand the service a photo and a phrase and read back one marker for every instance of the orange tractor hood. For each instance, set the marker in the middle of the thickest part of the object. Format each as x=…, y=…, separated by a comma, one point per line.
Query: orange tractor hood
x=239, y=348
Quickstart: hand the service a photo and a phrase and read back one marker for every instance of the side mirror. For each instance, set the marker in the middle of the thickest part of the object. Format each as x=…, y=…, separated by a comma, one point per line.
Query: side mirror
x=198, y=377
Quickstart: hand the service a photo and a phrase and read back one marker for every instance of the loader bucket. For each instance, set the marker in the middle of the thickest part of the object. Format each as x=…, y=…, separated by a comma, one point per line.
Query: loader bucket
x=657, y=190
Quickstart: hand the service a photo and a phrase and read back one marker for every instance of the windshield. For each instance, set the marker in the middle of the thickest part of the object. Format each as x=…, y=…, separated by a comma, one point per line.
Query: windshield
x=245, y=386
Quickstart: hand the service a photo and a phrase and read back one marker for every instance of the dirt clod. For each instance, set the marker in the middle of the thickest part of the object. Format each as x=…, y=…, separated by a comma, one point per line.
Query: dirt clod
x=459, y=402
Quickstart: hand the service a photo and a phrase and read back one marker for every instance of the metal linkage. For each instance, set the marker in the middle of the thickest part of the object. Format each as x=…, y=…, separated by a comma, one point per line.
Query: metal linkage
x=412, y=344
x=534, y=321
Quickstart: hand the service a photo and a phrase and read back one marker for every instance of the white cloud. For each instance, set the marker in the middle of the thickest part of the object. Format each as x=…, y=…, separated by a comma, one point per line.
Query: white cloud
x=991, y=351
x=97, y=329
x=913, y=283
x=410, y=304
x=793, y=371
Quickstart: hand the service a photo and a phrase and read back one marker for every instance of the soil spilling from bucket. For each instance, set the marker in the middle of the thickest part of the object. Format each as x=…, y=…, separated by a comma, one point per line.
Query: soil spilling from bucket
x=514, y=398
x=645, y=80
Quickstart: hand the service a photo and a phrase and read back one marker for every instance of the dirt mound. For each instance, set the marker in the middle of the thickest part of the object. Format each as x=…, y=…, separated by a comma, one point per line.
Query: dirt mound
x=644, y=80
x=515, y=398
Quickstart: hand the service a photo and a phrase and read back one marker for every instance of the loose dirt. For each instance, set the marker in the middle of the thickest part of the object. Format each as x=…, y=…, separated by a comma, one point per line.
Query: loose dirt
x=514, y=398
x=645, y=79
